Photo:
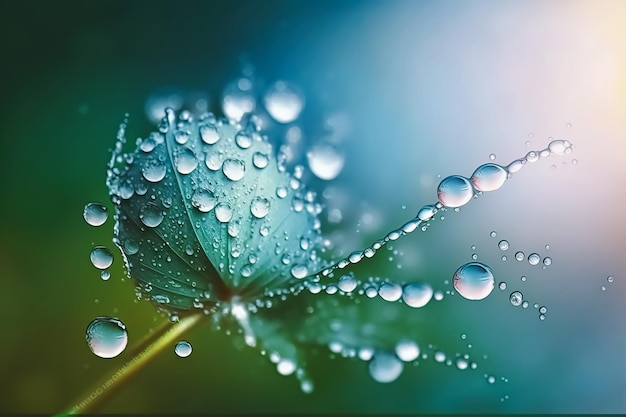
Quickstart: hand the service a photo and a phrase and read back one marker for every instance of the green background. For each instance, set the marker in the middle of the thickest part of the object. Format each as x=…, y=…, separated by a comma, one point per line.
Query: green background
x=430, y=88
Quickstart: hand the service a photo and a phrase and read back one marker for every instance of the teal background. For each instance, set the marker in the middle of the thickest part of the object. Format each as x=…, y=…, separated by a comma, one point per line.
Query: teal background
x=430, y=88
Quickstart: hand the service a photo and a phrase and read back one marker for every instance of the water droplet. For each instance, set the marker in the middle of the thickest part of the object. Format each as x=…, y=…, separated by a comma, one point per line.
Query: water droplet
x=130, y=247
x=209, y=134
x=519, y=256
x=493, y=234
x=260, y=207
x=347, y=283
x=502, y=285
x=223, y=212
x=299, y=271
x=503, y=245
x=325, y=161
x=385, y=367
x=492, y=156
x=426, y=212
x=547, y=261
x=286, y=367
x=95, y=214
x=151, y=215
x=106, y=337
x=516, y=298
x=237, y=99
x=203, y=200
x=543, y=309
x=390, y=291
x=559, y=147
x=186, y=161
x=488, y=177
x=243, y=140
x=407, y=350
x=439, y=356
x=234, y=169
x=416, y=295
x=183, y=349
x=101, y=257
x=260, y=160
x=281, y=192
x=283, y=102
x=461, y=364
x=534, y=259
x=455, y=191
x=105, y=275
x=153, y=170
x=474, y=281
x=610, y=278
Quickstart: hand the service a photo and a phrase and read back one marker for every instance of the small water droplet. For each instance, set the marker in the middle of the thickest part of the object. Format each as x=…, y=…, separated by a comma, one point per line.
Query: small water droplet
x=286, y=367
x=439, y=356
x=385, y=367
x=547, y=261
x=502, y=285
x=223, y=212
x=407, y=350
x=325, y=161
x=492, y=156
x=299, y=271
x=183, y=349
x=390, y=291
x=559, y=147
x=209, y=134
x=238, y=99
x=455, y=191
x=416, y=295
x=347, y=283
x=260, y=160
x=151, y=215
x=534, y=259
x=181, y=136
x=610, y=278
x=105, y=275
x=186, y=161
x=461, y=364
x=516, y=298
x=203, y=200
x=106, y=337
x=260, y=207
x=101, y=257
x=503, y=245
x=474, y=281
x=234, y=169
x=493, y=234
x=153, y=170
x=95, y=214
x=243, y=140
x=283, y=101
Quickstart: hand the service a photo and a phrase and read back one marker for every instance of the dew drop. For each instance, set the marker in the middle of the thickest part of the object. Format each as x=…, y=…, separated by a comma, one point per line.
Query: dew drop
x=534, y=259
x=209, y=134
x=488, y=177
x=455, y=191
x=426, y=212
x=407, y=350
x=461, y=364
x=502, y=285
x=233, y=169
x=474, y=281
x=260, y=207
x=516, y=298
x=547, y=261
x=492, y=156
x=223, y=213
x=283, y=102
x=95, y=214
x=203, y=200
x=390, y=291
x=325, y=161
x=237, y=99
x=559, y=147
x=105, y=275
x=610, y=278
x=347, y=283
x=299, y=271
x=106, y=337
x=286, y=367
x=151, y=215
x=416, y=295
x=101, y=257
x=503, y=245
x=519, y=256
x=243, y=140
x=186, y=161
x=153, y=170
x=260, y=160
x=385, y=367
x=281, y=192
x=439, y=356
x=493, y=234
x=183, y=349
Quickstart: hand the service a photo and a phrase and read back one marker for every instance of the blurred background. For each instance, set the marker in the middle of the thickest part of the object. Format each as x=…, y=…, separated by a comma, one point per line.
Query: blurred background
x=407, y=92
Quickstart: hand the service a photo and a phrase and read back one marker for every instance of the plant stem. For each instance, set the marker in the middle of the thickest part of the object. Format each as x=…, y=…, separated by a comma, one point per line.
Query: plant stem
x=156, y=342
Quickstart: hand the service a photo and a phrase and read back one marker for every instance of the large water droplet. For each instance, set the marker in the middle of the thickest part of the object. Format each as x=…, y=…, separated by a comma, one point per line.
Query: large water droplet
x=488, y=177
x=101, y=257
x=286, y=367
x=534, y=259
x=407, y=350
x=503, y=245
x=283, y=102
x=260, y=160
x=385, y=367
x=106, y=337
x=153, y=170
x=325, y=161
x=299, y=271
x=416, y=295
x=516, y=298
x=234, y=169
x=203, y=200
x=243, y=140
x=390, y=291
x=151, y=215
x=347, y=283
x=259, y=207
x=183, y=349
x=426, y=212
x=223, y=212
x=95, y=214
x=474, y=281
x=455, y=191
x=209, y=134
x=186, y=161
x=237, y=99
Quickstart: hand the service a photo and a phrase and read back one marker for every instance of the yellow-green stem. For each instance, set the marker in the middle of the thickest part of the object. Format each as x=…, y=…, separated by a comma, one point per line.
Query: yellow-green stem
x=156, y=343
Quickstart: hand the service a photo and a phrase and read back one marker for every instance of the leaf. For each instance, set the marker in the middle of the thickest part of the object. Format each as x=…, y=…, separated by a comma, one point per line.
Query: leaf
x=204, y=213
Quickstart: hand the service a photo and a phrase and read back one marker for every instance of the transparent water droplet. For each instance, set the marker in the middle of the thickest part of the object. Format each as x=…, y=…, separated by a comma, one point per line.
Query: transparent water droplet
x=474, y=281
x=213, y=161
x=416, y=295
x=105, y=275
x=183, y=349
x=181, y=136
x=325, y=161
x=243, y=140
x=283, y=102
x=519, y=256
x=203, y=200
x=234, y=169
x=534, y=259
x=407, y=350
x=106, y=337
x=516, y=298
x=130, y=247
x=426, y=212
x=281, y=192
x=299, y=271
x=461, y=364
x=260, y=207
x=95, y=214
x=347, y=283
x=151, y=215
x=503, y=245
x=385, y=367
x=610, y=278
x=559, y=147
x=493, y=234
x=260, y=160
x=223, y=212
x=209, y=134
x=439, y=356
x=237, y=99
x=153, y=170
x=101, y=257
x=488, y=177
x=547, y=261
x=502, y=285
x=455, y=191
x=543, y=309
x=390, y=291
x=492, y=156
x=186, y=161
x=286, y=367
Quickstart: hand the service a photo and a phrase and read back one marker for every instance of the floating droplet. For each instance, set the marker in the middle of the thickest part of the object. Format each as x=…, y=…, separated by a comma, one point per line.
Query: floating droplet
x=203, y=200
x=547, y=261
x=610, y=278
x=534, y=259
x=385, y=367
x=151, y=215
x=286, y=367
x=95, y=214
x=260, y=160
x=516, y=298
x=325, y=161
x=519, y=256
x=243, y=140
x=347, y=283
x=503, y=245
x=488, y=177
x=426, y=212
x=105, y=275
x=283, y=102
x=234, y=169
x=559, y=147
x=407, y=350
x=183, y=349
x=106, y=337
x=416, y=295
x=260, y=207
x=101, y=257
x=502, y=285
x=237, y=99
x=299, y=271
x=455, y=191
x=474, y=281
